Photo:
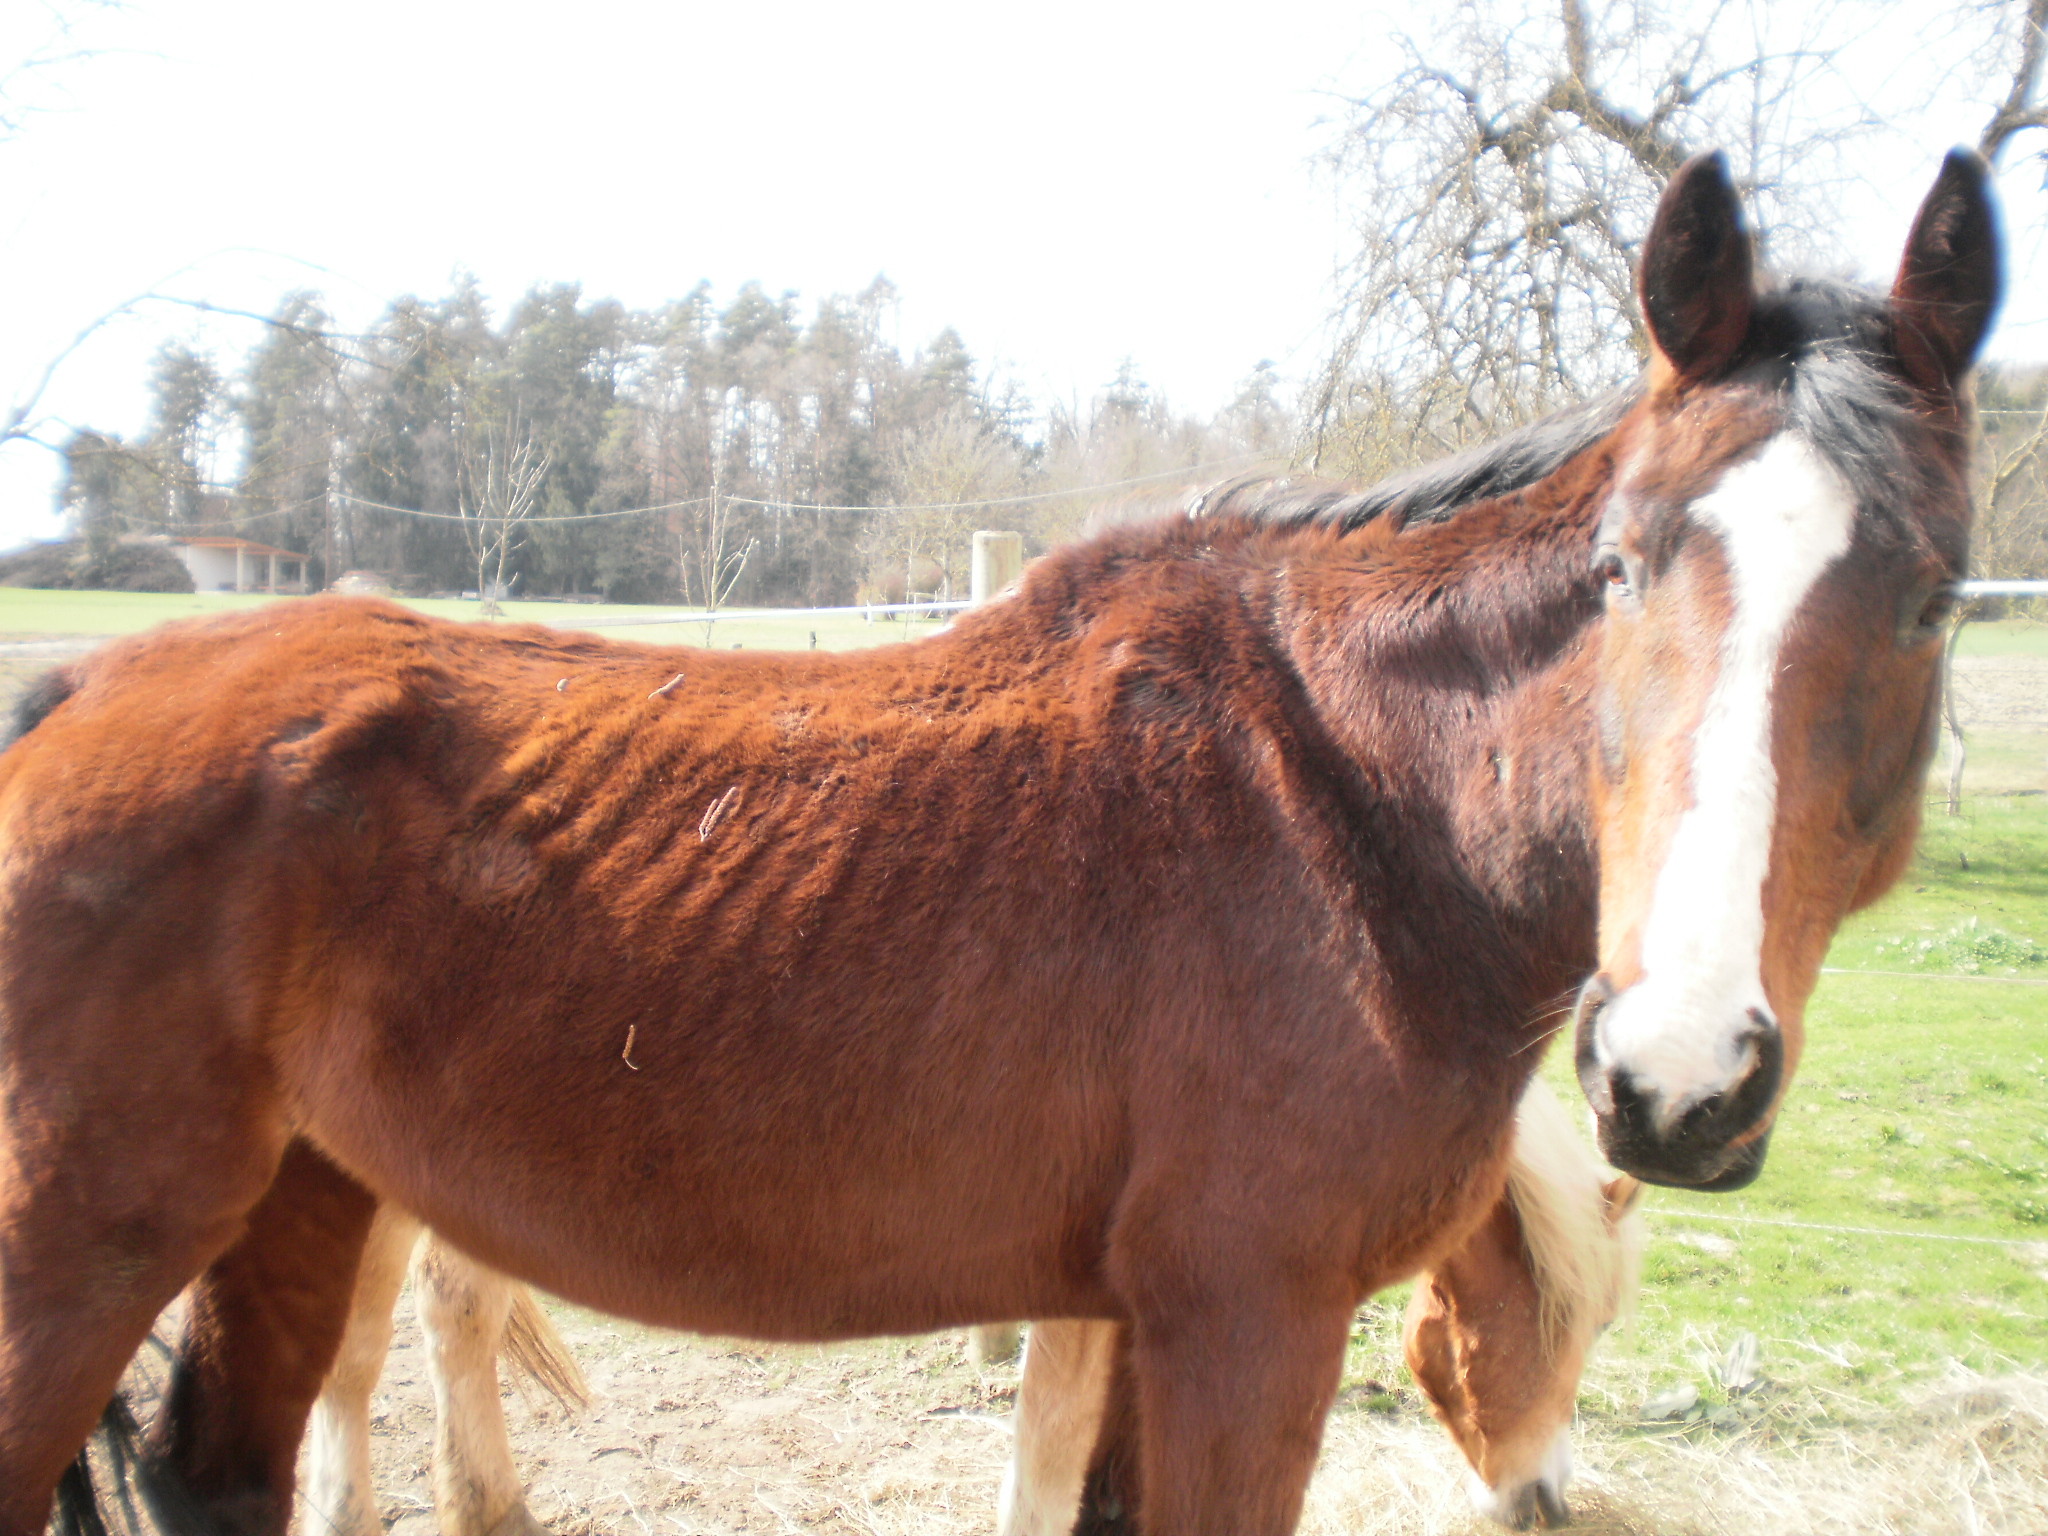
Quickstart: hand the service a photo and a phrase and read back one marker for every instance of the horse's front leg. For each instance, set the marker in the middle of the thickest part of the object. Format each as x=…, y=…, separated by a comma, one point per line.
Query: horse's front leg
x=1239, y=1308
x=1231, y=1397
x=338, y=1487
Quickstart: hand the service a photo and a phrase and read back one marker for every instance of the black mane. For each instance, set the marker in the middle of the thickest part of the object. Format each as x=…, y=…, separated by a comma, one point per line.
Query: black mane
x=1821, y=348
x=1429, y=493
x=1432, y=492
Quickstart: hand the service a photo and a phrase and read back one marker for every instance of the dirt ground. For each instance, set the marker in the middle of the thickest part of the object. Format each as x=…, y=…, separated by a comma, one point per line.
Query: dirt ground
x=689, y=1435
x=905, y=1438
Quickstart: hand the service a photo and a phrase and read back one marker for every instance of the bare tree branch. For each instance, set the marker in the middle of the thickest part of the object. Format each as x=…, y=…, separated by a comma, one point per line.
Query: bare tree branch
x=2018, y=112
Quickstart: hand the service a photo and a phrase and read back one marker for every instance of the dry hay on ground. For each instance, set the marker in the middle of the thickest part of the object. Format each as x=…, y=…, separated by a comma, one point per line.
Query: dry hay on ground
x=1971, y=1459
x=904, y=1438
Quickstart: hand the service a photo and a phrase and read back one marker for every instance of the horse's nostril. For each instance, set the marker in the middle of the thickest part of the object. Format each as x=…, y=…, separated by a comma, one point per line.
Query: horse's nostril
x=1554, y=1509
x=1520, y=1510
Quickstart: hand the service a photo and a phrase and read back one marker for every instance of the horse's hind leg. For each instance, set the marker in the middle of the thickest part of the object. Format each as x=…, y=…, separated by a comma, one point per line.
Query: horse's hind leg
x=338, y=1487
x=464, y=1308
x=264, y=1326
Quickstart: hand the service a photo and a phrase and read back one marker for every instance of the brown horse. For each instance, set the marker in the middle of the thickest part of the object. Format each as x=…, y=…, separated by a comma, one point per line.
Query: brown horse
x=1169, y=943
x=1497, y=1336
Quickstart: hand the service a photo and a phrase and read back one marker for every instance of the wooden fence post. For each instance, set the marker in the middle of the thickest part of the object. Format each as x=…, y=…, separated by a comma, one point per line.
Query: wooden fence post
x=998, y=560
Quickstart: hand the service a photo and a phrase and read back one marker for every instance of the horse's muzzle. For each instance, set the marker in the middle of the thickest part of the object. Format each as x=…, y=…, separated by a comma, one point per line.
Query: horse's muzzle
x=1716, y=1143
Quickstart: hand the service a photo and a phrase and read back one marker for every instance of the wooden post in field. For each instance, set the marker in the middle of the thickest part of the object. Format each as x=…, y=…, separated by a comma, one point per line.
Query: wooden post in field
x=994, y=1343
x=998, y=560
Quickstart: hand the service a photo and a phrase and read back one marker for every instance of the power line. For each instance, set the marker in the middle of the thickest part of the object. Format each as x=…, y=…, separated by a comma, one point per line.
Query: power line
x=1001, y=501
x=825, y=506
x=756, y=615
x=564, y=517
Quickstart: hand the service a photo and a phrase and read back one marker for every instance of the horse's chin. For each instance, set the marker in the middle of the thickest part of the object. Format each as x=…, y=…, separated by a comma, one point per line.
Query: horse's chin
x=1532, y=1503
x=1735, y=1168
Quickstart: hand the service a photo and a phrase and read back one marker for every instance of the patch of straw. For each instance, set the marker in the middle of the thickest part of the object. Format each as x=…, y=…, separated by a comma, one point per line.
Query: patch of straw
x=1967, y=1458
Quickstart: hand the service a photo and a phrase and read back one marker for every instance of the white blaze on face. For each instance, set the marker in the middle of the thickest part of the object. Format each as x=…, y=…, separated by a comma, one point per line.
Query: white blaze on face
x=1782, y=517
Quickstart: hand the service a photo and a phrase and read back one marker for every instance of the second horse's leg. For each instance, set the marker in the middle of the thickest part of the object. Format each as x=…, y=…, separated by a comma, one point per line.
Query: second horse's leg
x=338, y=1486
x=463, y=1309
x=1059, y=1414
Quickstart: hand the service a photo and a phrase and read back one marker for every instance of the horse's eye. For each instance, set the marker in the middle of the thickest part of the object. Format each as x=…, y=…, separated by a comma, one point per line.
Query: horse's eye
x=1940, y=606
x=1611, y=568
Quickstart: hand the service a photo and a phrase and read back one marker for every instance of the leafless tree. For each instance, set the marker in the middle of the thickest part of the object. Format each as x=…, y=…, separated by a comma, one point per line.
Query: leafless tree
x=2011, y=534
x=1505, y=173
x=940, y=469
x=499, y=486
x=712, y=557
x=48, y=37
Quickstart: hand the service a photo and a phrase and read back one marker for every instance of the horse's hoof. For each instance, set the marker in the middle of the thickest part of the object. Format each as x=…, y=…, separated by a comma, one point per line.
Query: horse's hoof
x=518, y=1521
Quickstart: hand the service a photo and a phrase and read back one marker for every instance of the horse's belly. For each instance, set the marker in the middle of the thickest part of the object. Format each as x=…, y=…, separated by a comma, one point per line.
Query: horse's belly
x=783, y=1193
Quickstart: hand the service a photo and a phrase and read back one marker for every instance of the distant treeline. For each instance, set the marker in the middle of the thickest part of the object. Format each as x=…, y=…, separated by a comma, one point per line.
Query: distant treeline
x=444, y=437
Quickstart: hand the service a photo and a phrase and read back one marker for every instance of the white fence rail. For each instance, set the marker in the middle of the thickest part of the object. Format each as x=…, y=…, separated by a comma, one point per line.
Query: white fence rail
x=2005, y=588
x=867, y=610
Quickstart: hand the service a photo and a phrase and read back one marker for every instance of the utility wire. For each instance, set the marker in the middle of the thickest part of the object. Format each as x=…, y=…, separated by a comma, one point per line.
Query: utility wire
x=807, y=506
x=564, y=517
x=2010, y=981
x=1001, y=501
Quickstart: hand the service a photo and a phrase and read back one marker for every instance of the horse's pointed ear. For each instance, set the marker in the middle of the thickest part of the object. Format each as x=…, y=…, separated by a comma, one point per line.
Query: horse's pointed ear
x=1622, y=1195
x=1951, y=276
x=1697, y=278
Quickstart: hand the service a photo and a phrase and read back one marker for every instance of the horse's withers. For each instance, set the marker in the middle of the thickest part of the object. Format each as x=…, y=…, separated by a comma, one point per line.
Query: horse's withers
x=1763, y=713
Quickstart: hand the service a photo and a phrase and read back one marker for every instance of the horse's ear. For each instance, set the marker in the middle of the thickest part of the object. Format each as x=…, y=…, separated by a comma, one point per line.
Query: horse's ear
x=1697, y=282
x=1622, y=1195
x=1951, y=276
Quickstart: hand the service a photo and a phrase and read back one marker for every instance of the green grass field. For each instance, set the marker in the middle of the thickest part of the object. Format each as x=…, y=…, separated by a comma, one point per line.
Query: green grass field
x=2009, y=637
x=1920, y=1114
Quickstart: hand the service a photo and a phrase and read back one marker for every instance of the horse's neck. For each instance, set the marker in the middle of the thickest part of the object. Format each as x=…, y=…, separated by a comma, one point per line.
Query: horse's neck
x=1453, y=668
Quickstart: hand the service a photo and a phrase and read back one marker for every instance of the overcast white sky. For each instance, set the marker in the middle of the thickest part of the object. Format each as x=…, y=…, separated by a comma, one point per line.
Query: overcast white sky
x=1067, y=183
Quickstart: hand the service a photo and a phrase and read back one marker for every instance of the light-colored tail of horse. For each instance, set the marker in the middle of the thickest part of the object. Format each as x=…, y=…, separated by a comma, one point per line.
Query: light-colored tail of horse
x=534, y=1349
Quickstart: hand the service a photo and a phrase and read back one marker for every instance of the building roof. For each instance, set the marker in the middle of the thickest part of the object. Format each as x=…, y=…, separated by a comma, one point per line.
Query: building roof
x=250, y=545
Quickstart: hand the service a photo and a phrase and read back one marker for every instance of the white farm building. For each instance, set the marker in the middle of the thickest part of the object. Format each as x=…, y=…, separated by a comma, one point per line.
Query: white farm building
x=240, y=565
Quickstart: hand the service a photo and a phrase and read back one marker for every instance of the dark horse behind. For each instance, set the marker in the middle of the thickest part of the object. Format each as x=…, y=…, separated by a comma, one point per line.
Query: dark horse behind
x=1167, y=943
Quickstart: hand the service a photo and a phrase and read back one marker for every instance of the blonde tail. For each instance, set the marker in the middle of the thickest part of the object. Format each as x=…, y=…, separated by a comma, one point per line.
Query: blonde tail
x=534, y=1347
